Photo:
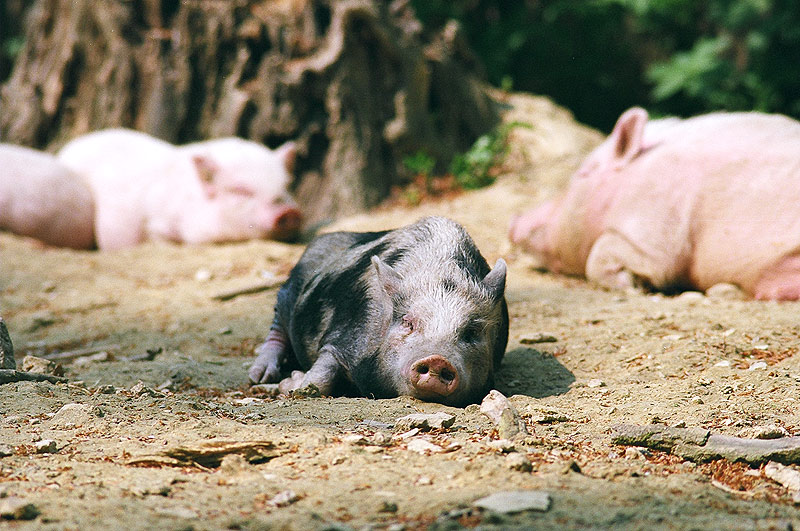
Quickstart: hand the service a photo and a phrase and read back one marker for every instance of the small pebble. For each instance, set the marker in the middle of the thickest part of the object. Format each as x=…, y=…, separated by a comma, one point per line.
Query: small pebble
x=203, y=275
x=46, y=446
x=502, y=445
x=425, y=421
x=355, y=439
x=6, y=450
x=284, y=498
x=421, y=446
x=271, y=390
x=100, y=357
x=772, y=431
x=633, y=453
x=178, y=512
x=387, y=507
x=141, y=389
x=519, y=462
x=757, y=366
x=571, y=466
x=74, y=415
x=690, y=297
x=723, y=363
x=380, y=438
x=725, y=291
x=500, y=410
x=595, y=382
x=247, y=401
x=407, y=435
x=15, y=508
x=41, y=366
x=515, y=501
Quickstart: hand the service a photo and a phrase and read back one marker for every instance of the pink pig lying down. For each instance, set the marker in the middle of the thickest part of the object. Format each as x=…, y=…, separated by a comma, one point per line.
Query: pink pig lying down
x=41, y=198
x=675, y=203
x=220, y=190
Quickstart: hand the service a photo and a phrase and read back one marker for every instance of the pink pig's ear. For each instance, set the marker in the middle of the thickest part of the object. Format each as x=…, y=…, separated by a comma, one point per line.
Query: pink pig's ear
x=206, y=168
x=628, y=135
x=288, y=152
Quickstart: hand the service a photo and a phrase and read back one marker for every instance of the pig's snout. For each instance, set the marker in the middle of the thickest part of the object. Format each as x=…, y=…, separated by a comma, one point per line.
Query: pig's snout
x=433, y=376
x=285, y=223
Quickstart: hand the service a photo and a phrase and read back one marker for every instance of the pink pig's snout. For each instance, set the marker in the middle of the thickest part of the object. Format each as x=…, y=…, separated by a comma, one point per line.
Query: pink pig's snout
x=282, y=223
x=525, y=226
x=433, y=377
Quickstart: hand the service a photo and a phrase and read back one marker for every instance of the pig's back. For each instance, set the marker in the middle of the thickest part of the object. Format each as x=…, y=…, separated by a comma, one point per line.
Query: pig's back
x=42, y=198
x=115, y=157
x=748, y=212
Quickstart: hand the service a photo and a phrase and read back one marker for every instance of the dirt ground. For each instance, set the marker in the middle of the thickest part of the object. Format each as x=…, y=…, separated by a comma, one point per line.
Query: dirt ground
x=340, y=463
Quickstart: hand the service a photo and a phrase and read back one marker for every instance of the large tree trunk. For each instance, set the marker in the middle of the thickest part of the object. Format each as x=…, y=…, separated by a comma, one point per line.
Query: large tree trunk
x=356, y=83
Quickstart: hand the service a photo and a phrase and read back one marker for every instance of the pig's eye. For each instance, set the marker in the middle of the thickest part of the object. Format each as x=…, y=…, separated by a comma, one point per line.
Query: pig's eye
x=408, y=324
x=241, y=190
x=471, y=333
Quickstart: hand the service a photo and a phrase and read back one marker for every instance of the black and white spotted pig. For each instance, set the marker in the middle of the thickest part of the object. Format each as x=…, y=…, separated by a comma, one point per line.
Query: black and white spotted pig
x=412, y=311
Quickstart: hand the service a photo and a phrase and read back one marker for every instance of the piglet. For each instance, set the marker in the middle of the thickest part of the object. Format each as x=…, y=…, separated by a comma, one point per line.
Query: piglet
x=413, y=311
x=673, y=204
x=41, y=198
x=214, y=191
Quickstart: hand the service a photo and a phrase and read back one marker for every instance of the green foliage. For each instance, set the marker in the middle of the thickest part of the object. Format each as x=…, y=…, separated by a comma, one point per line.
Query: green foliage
x=9, y=49
x=420, y=163
x=599, y=57
x=739, y=63
x=473, y=169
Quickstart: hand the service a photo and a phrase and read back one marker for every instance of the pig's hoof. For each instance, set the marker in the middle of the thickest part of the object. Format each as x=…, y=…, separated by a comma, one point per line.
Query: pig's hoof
x=290, y=383
x=259, y=374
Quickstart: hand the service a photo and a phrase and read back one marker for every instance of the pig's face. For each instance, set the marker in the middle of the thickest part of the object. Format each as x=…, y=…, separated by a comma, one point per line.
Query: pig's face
x=439, y=345
x=561, y=232
x=245, y=186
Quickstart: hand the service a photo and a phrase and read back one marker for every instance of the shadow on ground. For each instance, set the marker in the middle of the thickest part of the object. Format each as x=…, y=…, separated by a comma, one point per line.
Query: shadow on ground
x=527, y=371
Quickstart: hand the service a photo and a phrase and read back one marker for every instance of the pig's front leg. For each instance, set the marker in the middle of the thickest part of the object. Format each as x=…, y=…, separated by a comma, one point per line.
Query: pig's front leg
x=267, y=366
x=322, y=374
x=617, y=262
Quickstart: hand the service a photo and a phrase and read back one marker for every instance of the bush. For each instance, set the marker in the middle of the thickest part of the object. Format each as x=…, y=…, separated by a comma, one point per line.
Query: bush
x=599, y=57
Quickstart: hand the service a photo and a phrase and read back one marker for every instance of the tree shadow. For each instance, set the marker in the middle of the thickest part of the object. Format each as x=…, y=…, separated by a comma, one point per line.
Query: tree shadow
x=527, y=371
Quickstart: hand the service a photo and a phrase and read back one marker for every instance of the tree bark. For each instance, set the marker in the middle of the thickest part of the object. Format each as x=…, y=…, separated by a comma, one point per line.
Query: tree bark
x=356, y=83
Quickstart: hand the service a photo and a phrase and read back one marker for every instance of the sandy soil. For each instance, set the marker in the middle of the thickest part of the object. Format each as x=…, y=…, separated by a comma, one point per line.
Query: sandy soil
x=339, y=463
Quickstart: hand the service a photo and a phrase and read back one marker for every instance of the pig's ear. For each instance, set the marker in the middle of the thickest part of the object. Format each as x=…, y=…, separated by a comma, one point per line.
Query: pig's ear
x=627, y=137
x=206, y=169
x=288, y=153
x=389, y=278
x=495, y=281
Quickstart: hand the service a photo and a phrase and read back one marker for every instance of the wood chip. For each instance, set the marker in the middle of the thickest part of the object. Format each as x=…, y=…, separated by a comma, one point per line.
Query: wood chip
x=249, y=289
x=208, y=454
x=11, y=375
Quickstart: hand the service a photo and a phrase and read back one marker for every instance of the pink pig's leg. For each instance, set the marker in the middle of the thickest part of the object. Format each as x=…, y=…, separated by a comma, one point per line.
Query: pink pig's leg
x=780, y=281
x=267, y=366
x=616, y=262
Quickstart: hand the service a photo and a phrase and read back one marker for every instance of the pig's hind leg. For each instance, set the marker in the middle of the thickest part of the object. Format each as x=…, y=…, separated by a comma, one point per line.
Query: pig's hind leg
x=617, y=262
x=267, y=366
x=780, y=281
